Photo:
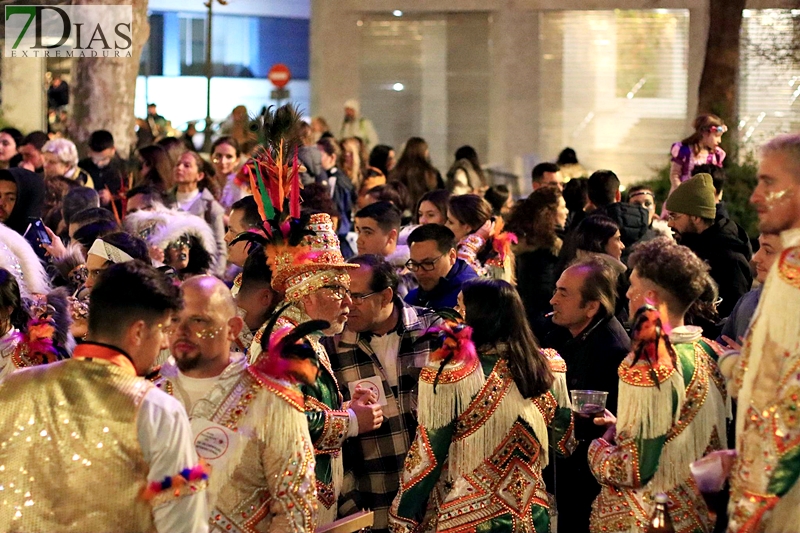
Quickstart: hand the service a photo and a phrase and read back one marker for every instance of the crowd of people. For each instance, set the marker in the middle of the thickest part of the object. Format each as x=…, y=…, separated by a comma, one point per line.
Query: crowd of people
x=287, y=331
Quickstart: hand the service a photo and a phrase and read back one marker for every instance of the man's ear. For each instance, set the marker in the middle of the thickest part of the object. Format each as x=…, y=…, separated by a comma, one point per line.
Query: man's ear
x=136, y=334
x=618, y=196
x=453, y=255
x=393, y=235
x=387, y=296
x=592, y=308
x=235, y=325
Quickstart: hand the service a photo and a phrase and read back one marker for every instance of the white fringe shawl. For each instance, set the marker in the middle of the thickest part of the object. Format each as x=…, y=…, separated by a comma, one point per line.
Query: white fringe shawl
x=467, y=454
x=437, y=410
x=561, y=390
x=691, y=444
x=647, y=412
x=272, y=420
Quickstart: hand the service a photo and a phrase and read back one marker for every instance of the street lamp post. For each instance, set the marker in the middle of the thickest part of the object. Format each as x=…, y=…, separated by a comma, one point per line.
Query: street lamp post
x=207, y=130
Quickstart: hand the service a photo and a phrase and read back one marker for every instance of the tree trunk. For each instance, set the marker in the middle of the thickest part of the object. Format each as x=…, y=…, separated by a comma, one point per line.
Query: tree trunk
x=103, y=88
x=719, y=82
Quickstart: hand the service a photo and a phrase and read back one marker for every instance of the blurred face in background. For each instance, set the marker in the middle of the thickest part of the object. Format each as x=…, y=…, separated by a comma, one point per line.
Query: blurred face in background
x=429, y=214
x=8, y=147
x=224, y=159
x=769, y=250
x=645, y=199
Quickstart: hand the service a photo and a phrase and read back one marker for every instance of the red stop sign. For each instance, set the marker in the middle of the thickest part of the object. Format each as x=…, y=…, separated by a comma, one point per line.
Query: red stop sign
x=279, y=75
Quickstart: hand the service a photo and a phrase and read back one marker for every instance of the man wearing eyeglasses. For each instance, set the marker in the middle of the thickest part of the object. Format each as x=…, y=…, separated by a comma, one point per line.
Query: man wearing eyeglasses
x=436, y=267
x=378, y=350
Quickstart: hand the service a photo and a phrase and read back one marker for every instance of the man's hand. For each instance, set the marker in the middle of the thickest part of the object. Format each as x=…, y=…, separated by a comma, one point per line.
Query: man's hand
x=368, y=413
x=56, y=250
x=105, y=196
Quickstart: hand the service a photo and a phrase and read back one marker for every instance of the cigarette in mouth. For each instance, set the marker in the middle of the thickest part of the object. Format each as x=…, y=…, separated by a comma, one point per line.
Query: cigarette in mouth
x=551, y=313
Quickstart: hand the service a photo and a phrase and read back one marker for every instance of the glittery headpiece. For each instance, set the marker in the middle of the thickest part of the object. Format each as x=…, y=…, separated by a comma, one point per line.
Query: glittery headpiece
x=316, y=262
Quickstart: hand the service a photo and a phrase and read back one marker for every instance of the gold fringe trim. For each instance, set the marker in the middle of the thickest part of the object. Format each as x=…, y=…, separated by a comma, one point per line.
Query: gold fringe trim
x=270, y=419
x=691, y=443
x=437, y=410
x=468, y=453
x=647, y=412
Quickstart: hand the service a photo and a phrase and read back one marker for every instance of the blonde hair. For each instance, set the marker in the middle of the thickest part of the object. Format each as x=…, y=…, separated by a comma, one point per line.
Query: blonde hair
x=64, y=149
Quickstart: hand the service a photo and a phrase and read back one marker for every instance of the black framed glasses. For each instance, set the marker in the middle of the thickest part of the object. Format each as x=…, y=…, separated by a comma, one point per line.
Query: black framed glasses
x=359, y=298
x=427, y=265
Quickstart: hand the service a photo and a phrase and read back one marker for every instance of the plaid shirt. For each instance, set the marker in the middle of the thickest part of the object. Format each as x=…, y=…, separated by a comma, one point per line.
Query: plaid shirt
x=373, y=461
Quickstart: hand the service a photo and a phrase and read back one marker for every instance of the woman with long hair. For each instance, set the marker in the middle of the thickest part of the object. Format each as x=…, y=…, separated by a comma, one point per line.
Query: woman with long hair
x=432, y=207
x=225, y=156
x=382, y=157
x=415, y=171
x=490, y=410
x=156, y=168
x=466, y=175
x=700, y=148
x=470, y=218
x=354, y=160
x=536, y=222
x=193, y=195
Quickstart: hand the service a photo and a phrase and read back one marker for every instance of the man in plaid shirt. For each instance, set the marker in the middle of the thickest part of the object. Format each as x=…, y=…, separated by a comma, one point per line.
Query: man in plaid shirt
x=377, y=351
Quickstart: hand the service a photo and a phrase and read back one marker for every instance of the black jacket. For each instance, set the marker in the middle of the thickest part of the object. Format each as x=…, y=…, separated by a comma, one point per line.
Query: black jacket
x=537, y=273
x=30, y=197
x=112, y=175
x=633, y=221
x=592, y=360
x=726, y=248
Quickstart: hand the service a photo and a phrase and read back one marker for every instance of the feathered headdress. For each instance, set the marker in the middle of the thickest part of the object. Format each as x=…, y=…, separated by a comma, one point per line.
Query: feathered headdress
x=287, y=355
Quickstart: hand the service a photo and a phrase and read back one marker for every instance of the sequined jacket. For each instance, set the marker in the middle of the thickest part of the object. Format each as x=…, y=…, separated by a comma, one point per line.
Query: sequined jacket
x=267, y=484
x=765, y=481
x=476, y=461
x=653, y=448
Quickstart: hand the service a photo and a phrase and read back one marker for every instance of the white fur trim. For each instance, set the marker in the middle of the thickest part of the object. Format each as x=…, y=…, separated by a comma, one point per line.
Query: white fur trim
x=166, y=226
x=17, y=256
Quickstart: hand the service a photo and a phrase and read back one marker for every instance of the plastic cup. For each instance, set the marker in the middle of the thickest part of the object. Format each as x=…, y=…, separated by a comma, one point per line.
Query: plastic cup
x=588, y=402
x=710, y=473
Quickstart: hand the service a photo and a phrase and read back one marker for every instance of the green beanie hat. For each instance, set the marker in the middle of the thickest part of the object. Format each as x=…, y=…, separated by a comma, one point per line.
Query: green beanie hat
x=694, y=197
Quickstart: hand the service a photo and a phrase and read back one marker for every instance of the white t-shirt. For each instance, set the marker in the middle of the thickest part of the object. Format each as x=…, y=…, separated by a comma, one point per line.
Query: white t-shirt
x=186, y=199
x=192, y=390
x=386, y=348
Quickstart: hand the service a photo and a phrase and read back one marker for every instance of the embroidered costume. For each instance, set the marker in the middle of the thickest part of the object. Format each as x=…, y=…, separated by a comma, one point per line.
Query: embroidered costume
x=80, y=442
x=265, y=480
x=765, y=491
x=476, y=461
x=671, y=412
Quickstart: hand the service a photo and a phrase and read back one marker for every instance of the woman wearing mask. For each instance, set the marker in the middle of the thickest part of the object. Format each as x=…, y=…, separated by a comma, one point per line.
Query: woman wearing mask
x=486, y=407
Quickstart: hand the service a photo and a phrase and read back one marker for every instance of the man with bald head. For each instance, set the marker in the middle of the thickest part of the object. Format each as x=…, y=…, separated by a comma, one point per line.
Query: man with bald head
x=245, y=423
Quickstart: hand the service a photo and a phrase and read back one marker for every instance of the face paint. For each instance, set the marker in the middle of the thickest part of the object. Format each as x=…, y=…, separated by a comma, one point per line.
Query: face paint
x=208, y=333
x=771, y=199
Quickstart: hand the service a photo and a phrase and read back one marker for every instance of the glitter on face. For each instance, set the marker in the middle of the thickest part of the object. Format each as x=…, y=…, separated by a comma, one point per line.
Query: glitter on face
x=773, y=198
x=208, y=333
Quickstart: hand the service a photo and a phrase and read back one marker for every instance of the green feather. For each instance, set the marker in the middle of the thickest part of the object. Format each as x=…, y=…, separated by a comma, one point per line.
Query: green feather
x=269, y=211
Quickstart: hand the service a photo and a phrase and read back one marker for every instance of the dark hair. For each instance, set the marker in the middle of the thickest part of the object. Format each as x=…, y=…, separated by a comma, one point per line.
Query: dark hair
x=90, y=232
x=384, y=275
x=674, y=268
x=718, y=175
x=36, y=138
x=256, y=271
x=394, y=192
x=468, y=152
x=199, y=258
x=379, y=157
x=101, y=140
x=385, y=214
x=76, y=200
x=10, y=297
x=593, y=233
x=127, y=292
x=640, y=188
x=567, y=157
x=534, y=219
x=317, y=197
x=161, y=167
x=150, y=193
x=538, y=171
x=174, y=147
x=496, y=314
x=702, y=124
x=15, y=134
x=497, y=196
x=249, y=208
x=603, y=188
x=204, y=167
x=470, y=209
x=599, y=284
x=414, y=170
x=445, y=239
x=130, y=244
x=226, y=139
x=92, y=214
x=330, y=147
x=576, y=194
x=439, y=198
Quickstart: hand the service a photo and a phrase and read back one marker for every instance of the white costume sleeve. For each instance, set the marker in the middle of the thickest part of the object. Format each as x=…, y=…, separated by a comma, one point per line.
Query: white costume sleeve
x=167, y=444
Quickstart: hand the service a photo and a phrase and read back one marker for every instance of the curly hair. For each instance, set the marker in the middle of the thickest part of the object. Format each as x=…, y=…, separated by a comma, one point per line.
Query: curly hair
x=674, y=268
x=534, y=219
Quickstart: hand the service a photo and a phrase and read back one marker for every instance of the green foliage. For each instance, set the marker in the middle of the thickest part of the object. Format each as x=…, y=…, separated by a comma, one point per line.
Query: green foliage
x=736, y=192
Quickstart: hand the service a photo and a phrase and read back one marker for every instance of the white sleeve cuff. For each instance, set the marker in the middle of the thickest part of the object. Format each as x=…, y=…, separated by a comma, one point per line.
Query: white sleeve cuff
x=352, y=429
